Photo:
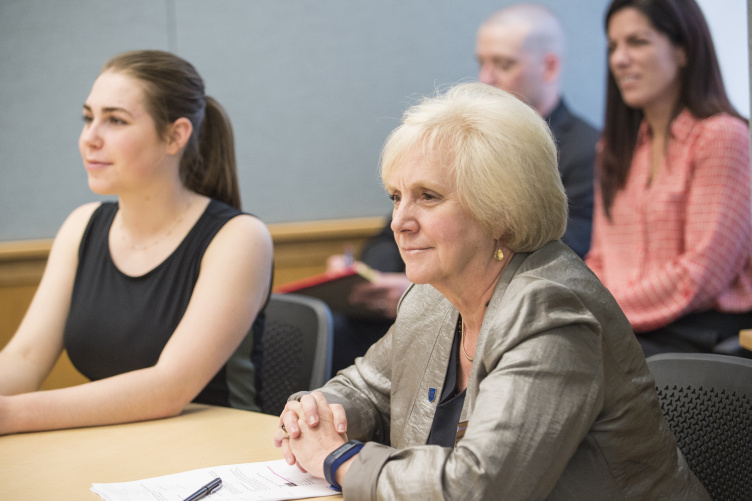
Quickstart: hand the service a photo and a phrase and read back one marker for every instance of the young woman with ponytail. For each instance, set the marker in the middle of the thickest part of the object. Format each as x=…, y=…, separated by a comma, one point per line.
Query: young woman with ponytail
x=156, y=296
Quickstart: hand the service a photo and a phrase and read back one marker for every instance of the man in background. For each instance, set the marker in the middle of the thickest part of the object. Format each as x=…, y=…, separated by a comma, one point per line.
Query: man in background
x=520, y=50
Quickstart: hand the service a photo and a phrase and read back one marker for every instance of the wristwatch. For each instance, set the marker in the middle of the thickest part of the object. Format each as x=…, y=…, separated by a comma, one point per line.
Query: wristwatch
x=336, y=458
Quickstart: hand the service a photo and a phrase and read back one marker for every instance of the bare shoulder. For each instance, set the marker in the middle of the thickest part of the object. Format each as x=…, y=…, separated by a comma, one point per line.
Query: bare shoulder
x=242, y=234
x=246, y=228
x=79, y=218
x=73, y=227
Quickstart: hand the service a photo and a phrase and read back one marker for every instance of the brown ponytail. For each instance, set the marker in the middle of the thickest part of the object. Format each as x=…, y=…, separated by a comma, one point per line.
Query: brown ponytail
x=174, y=89
x=214, y=172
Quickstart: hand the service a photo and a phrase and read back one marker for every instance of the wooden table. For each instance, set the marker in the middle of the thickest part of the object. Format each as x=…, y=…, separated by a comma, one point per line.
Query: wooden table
x=745, y=338
x=63, y=464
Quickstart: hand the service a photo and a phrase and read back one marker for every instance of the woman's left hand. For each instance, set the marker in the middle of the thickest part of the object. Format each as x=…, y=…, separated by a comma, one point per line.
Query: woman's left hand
x=313, y=443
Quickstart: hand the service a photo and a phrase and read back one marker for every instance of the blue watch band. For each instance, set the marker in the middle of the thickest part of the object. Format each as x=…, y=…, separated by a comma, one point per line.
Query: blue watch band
x=336, y=458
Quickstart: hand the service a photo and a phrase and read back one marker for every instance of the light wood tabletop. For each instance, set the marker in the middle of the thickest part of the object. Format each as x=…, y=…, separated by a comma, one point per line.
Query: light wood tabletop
x=745, y=338
x=63, y=464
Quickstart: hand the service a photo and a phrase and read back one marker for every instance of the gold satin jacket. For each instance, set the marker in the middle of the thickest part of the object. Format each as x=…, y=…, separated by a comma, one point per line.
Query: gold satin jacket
x=560, y=402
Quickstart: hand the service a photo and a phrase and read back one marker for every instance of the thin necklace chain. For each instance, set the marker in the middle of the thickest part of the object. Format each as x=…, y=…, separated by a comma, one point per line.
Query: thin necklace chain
x=462, y=342
x=462, y=335
x=172, y=228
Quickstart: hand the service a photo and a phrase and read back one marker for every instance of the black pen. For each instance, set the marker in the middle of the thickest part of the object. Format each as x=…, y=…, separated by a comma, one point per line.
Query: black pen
x=209, y=488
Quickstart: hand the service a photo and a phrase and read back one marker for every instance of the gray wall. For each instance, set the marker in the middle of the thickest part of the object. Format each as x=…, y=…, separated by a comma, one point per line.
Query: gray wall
x=312, y=87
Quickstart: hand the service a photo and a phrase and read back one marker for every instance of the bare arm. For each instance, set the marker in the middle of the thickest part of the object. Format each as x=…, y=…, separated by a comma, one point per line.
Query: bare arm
x=231, y=288
x=30, y=355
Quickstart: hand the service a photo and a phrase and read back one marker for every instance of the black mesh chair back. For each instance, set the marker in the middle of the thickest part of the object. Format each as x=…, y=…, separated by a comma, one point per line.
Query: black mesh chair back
x=707, y=401
x=297, y=348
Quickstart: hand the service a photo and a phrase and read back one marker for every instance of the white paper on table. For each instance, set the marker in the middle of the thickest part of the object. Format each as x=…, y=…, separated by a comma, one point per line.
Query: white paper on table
x=269, y=480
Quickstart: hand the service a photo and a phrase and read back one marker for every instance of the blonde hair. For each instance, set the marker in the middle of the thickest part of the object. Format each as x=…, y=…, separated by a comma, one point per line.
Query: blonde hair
x=500, y=154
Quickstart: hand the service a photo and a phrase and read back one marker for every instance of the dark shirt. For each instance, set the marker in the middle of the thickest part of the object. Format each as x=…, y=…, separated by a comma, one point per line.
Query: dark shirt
x=449, y=409
x=119, y=323
x=575, y=140
x=381, y=252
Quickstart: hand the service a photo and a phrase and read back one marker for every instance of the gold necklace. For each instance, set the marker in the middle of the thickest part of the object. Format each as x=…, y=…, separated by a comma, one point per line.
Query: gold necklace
x=163, y=236
x=462, y=343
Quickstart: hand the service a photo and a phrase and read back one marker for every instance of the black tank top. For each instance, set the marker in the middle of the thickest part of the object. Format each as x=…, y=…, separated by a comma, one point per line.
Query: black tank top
x=118, y=323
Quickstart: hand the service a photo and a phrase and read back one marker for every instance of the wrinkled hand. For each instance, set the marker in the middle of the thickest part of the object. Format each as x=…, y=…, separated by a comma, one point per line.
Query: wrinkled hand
x=381, y=295
x=312, y=424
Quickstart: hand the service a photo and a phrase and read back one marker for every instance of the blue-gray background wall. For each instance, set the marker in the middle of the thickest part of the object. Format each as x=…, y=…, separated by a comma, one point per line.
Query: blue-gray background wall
x=313, y=87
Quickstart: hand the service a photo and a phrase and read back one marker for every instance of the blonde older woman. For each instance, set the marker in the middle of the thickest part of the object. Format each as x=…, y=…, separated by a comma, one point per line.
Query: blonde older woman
x=510, y=372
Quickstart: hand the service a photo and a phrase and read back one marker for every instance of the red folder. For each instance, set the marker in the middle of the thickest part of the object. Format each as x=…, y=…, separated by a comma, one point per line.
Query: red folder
x=334, y=288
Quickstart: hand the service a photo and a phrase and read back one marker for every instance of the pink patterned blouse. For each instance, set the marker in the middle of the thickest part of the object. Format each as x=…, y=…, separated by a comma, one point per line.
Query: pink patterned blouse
x=682, y=243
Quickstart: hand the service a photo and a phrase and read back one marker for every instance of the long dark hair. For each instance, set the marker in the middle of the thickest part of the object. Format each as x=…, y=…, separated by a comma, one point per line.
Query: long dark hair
x=174, y=89
x=701, y=89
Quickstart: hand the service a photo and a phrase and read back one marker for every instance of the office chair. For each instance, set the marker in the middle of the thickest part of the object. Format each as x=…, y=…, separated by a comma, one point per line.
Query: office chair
x=297, y=348
x=707, y=402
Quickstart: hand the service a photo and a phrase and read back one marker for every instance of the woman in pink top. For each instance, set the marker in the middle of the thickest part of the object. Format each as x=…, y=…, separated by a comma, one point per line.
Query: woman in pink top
x=672, y=229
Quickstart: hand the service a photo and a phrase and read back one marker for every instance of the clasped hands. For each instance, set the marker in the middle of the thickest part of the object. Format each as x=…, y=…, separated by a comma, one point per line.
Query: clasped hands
x=314, y=428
